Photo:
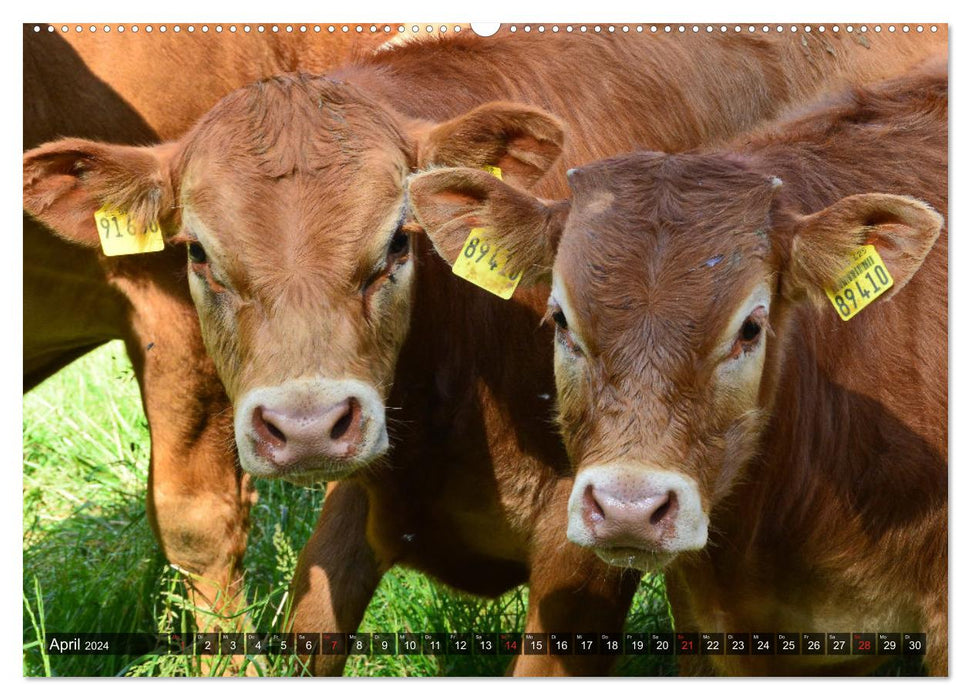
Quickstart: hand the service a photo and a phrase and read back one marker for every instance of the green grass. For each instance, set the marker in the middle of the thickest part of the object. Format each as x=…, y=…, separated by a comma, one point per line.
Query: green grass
x=91, y=563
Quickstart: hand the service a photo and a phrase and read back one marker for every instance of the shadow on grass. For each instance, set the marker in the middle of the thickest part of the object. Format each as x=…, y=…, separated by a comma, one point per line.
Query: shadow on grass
x=91, y=563
x=99, y=570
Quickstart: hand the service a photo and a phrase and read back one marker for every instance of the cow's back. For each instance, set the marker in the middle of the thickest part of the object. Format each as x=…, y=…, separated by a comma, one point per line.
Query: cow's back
x=618, y=93
x=172, y=78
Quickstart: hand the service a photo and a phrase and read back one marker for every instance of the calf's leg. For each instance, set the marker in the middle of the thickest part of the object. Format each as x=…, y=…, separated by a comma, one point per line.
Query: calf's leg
x=679, y=599
x=198, y=498
x=935, y=616
x=337, y=573
x=571, y=590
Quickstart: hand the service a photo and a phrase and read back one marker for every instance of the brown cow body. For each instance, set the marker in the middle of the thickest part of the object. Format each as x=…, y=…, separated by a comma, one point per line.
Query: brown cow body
x=139, y=88
x=475, y=488
x=850, y=485
x=812, y=457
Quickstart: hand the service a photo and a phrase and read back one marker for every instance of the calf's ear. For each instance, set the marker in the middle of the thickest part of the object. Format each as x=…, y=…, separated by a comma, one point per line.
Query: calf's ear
x=67, y=181
x=522, y=141
x=902, y=229
x=450, y=202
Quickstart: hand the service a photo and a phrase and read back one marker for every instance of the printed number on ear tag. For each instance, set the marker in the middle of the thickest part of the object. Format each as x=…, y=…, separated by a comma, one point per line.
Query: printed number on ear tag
x=864, y=279
x=119, y=236
x=485, y=264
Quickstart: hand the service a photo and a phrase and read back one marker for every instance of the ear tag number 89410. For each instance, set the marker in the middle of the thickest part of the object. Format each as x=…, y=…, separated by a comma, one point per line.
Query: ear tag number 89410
x=864, y=279
x=486, y=264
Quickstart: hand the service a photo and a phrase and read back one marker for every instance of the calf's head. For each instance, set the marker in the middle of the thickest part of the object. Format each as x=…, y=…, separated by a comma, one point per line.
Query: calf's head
x=289, y=197
x=673, y=282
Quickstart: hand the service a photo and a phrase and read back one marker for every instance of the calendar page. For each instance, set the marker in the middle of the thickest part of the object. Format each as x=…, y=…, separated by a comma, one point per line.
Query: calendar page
x=434, y=349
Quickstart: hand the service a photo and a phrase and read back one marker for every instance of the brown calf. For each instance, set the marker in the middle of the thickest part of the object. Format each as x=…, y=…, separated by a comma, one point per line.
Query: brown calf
x=321, y=303
x=137, y=88
x=789, y=467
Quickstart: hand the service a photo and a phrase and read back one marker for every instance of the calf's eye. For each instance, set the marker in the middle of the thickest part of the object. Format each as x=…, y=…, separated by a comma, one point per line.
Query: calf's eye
x=750, y=333
x=398, y=245
x=750, y=330
x=563, y=334
x=197, y=254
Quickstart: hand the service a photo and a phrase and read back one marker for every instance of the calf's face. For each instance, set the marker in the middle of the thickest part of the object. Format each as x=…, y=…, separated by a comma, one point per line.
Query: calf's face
x=300, y=266
x=673, y=282
x=289, y=197
x=662, y=299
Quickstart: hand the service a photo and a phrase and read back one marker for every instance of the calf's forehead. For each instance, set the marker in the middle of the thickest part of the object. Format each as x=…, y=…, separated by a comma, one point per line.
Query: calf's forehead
x=663, y=247
x=295, y=123
x=258, y=225
x=345, y=202
x=311, y=151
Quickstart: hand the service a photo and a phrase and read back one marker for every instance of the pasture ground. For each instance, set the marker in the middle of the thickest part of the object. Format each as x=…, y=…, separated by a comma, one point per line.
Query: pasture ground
x=91, y=563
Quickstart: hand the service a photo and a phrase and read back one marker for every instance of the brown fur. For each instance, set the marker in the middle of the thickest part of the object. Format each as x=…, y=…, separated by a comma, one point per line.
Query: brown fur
x=828, y=493
x=474, y=491
x=137, y=89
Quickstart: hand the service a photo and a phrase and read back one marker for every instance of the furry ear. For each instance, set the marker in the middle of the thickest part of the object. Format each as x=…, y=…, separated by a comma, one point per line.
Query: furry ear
x=902, y=229
x=450, y=202
x=522, y=141
x=67, y=181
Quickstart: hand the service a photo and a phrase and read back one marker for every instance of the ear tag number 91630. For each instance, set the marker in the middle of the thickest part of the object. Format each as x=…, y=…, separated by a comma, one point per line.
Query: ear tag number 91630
x=864, y=279
x=120, y=237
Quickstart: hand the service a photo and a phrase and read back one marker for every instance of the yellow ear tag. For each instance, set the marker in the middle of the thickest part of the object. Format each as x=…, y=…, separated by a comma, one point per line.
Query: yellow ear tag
x=119, y=237
x=485, y=264
x=493, y=170
x=864, y=279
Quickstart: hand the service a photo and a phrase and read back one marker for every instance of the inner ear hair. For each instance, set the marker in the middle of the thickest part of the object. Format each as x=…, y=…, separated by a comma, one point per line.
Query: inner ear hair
x=449, y=202
x=902, y=229
x=521, y=140
x=66, y=181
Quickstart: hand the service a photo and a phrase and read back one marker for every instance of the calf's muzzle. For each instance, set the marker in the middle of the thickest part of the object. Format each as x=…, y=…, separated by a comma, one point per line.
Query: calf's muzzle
x=636, y=516
x=310, y=427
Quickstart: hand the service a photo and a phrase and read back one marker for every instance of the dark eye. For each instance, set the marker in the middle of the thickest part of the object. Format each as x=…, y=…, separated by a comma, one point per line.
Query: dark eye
x=197, y=254
x=750, y=330
x=398, y=245
x=563, y=334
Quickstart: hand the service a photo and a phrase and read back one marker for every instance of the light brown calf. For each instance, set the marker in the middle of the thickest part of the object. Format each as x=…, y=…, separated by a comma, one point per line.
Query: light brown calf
x=138, y=88
x=788, y=467
x=322, y=303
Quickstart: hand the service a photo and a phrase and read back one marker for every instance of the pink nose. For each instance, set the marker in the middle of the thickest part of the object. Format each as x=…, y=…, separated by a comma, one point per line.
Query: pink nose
x=288, y=437
x=641, y=518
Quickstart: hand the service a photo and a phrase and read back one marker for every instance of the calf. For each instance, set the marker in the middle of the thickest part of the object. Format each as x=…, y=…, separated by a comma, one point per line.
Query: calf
x=786, y=466
x=322, y=303
x=137, y=88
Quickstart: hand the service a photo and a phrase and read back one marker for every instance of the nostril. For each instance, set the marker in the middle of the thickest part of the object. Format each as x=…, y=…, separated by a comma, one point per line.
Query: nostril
x=275, y=431
x=666, y=509
x=266, y=430
x=349, y=419
x=591, y=508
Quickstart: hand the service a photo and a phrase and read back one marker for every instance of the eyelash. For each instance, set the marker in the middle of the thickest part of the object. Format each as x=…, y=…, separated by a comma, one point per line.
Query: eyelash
x=750, y=334
x=200, y=267
x=398, y=252
x=561, y=329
